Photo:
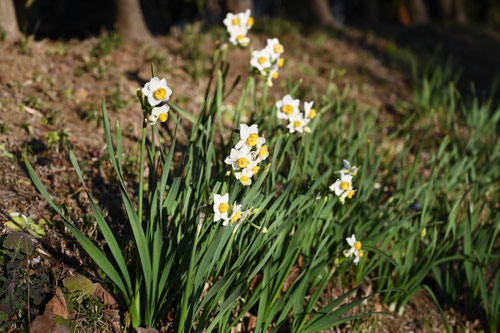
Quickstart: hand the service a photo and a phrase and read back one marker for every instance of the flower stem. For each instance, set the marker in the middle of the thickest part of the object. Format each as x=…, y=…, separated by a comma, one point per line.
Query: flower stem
x=141, y=171
x=264, y=97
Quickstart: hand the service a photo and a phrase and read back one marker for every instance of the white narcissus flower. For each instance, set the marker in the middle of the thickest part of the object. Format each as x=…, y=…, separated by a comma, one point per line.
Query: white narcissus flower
x=242, y=20
x=238, y=36
x=249, y=137
x=253, y=168
x=275, y=48
x=232, y=21
x=156, y=91
x=261, y=60
x=273, y=74
x=247, y=154
x=159, y=113
x=281, y=62
x=287, y=107
x=309, y=112
x=236, y=214
x=239, y=159
x=245, y=176
x=221, y=207
x=348, y=169
x=260, y=154
x=238, y=26
x=297, y=123
x=343, y=187
x=354, y=250
x=246, y=19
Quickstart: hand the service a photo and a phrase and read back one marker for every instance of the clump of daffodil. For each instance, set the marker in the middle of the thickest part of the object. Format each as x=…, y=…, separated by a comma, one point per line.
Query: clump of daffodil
x=343, y=186
x=268, y=60
x=289, y=109
x=228, y=214
x=237, y=26
x=156, y=92
x=246, y=155
x=354, y=250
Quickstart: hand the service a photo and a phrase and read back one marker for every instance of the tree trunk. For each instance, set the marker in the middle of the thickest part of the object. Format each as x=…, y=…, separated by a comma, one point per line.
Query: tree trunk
x=460, y=12
x=323, y=13
x=419, y=12
x=130, y=21
x=446, y=9
x=8, y=20
x=238, y=6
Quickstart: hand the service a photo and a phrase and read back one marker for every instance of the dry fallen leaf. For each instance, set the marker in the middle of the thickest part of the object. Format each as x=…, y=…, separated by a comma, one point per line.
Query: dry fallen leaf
x=58, y=305
x=103, y=295
x=46, y=323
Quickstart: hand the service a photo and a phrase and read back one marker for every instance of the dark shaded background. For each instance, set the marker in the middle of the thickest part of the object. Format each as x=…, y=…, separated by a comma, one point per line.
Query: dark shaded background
x=474, y=47
x=65, y=19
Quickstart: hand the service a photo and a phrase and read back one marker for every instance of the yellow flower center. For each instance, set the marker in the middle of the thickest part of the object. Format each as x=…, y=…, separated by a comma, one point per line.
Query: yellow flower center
x=236, y=217
x=312, y=113
x=244, y=179
x=223, y=207
x=296, y=123
x=281, y=62
x=350, y=194
x=361, y=254
x=163, y=117
x=255, y=169
x=262, y=60
x=250, y=21
x=275, y=75
x=345, y=186
x=278, y=48
x=239, y=38
x=236, y=21
x=160, y=93
x=252, y=139
x=357, y=245
x=263, y=151
x=242, y=162
x=288, y=109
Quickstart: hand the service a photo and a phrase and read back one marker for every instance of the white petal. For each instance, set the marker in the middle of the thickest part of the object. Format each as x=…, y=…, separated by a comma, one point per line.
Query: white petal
x=348, y=253
x=346, y=163
x=157, y=111
x=244, y=132
x=153, y=101
x=169, y=93
x=228, y=160
x=217, y=199
x=351, y=240
x=145, y=89
x=254, y=129
x=154, y=84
